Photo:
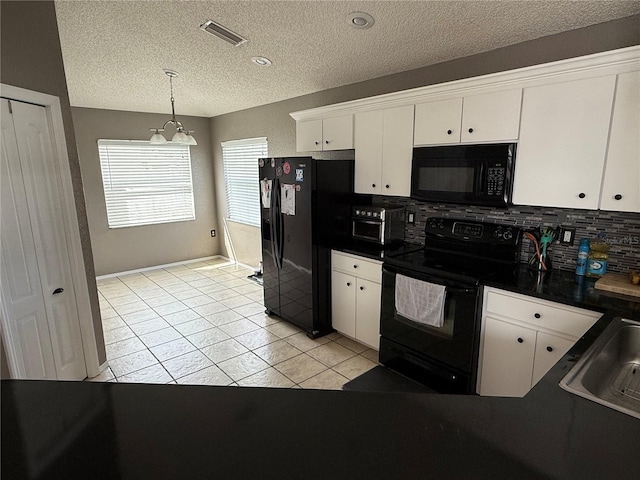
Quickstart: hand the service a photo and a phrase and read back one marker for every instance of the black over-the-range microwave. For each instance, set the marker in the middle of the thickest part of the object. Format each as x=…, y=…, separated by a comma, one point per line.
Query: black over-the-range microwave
x=466, y=174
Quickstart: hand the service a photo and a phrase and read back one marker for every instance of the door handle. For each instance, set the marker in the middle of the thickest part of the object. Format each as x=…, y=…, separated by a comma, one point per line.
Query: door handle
x=58, y=290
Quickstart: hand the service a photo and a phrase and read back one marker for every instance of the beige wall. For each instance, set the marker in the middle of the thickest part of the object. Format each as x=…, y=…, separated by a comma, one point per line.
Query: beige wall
x=121, y=249
x=273, y=121
x=30, y=57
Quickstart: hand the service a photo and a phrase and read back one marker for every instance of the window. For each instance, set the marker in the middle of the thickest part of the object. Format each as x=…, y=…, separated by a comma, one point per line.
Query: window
x=240, y=159
x=146, y=184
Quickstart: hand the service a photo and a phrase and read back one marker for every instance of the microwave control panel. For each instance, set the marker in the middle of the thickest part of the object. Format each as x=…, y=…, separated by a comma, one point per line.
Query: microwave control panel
x=495, y=179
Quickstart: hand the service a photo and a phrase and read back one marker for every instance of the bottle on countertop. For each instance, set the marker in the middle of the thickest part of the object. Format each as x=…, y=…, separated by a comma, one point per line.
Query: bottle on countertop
x=583, y=256
x=597, y=261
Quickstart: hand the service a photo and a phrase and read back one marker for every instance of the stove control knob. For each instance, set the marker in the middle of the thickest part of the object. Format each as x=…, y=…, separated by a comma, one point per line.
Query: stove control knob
x=497, y=232
x=508, y=235
x=357, y=212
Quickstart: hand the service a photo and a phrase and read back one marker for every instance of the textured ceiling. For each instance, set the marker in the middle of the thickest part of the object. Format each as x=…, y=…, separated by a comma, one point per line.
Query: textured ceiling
x=114, y=51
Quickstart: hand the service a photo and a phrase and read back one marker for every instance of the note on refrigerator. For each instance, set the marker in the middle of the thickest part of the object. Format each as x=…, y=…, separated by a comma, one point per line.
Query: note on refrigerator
x=288, y=199
x=265, y=193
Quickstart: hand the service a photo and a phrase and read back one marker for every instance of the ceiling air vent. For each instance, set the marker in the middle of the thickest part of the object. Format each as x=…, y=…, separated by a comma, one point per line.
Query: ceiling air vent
x=222, y=32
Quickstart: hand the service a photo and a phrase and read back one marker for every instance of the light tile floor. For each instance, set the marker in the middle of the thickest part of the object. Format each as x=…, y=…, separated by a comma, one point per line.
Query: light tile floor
x=204, y=323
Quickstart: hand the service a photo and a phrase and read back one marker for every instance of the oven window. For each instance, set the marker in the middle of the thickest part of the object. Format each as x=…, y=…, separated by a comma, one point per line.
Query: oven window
x=446, y=330
x=365, y=229
x=446, y=179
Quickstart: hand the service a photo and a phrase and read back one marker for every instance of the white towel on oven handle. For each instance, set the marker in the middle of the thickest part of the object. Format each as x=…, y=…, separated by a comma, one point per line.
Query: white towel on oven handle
x=419, y=301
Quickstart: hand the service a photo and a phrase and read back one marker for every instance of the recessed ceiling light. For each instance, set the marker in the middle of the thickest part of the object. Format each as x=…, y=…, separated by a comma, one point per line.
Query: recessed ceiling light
x=360, y=20
x=262, y=61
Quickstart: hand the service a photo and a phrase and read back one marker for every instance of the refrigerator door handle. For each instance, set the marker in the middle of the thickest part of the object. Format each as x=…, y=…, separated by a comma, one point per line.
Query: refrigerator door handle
x=272, y=229
x=280, y=230
x=277, y=224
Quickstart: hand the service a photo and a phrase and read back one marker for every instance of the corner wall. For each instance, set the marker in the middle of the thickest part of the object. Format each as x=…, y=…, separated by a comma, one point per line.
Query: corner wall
x=31, y=58
x=121, y=249
x=273, y=120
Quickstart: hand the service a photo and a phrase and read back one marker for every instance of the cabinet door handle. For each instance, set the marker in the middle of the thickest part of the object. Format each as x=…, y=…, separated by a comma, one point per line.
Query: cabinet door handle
x=449, y=132
x=386, y=186
x=361, y=288
x=549, y=349
x=537, y=315
x=520, y=340
x=58, y=290
x=355, y=266
x=316, y=143
x=618, y=197
x=582, y=195
x=348, y=284
x=471, y=130
x=326, y=142
x=373, y=185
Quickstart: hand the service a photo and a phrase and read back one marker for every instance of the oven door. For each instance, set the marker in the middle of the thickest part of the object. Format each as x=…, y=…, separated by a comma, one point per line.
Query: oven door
x=452, y=346
x=371, y=230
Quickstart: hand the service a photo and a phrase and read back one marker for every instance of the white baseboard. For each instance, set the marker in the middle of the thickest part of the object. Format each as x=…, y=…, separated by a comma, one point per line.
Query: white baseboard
x=146, y=269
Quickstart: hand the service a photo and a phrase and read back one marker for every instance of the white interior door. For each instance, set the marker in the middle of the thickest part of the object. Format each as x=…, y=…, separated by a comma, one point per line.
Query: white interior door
x=40, y=316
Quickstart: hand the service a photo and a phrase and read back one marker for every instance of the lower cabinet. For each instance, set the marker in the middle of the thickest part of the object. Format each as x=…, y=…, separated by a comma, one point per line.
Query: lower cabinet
x=355, y=295
x=522, y=338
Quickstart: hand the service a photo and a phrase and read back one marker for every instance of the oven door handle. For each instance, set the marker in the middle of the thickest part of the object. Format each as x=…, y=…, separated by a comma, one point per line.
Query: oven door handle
x=461, y=290
x=451, y=286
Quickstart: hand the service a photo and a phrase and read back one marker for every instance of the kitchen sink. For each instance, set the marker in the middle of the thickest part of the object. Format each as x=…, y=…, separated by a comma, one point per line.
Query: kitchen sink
x=609, y=371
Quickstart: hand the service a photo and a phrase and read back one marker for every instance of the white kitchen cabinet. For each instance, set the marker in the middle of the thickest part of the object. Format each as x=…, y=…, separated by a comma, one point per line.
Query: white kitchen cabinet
x=549, y=349
x=438, y=123
x=355, y=297
x=488, y=117
x=333, y=133
x=343, y=305
x=522, y=338
x=508, y=358
x=563, y=141
x=383, y=149
x=621, y=183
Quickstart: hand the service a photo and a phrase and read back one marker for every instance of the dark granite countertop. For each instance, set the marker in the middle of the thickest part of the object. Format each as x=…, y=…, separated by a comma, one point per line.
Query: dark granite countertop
x=566, y=287
x=556, y=286
x=106, y=430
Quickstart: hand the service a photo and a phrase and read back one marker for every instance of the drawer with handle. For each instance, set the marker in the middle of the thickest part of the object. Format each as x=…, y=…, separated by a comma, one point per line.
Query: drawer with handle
x=552, y=316
x=357, y=266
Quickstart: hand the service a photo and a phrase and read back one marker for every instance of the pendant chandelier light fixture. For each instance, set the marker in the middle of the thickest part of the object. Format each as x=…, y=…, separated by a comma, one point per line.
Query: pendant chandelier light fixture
x=182, y=135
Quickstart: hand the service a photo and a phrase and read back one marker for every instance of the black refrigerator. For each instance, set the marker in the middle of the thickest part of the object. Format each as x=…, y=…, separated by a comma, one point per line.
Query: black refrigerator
x=305, y=211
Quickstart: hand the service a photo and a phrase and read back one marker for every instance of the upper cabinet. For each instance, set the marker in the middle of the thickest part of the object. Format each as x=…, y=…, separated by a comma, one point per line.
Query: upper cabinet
x=621, y=183
x=488, y=117
x=438, y=122
x=576, y=123
x=384, y=144
x=334, y=133
x=563, y=142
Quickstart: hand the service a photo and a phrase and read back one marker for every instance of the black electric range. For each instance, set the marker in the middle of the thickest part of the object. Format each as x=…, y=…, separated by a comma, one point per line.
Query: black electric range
x=457, y=255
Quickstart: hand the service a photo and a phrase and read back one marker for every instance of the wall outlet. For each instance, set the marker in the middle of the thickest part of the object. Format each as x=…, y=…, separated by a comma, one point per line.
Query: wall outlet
x=411, y=218
x=567, y=235
x=213, y=233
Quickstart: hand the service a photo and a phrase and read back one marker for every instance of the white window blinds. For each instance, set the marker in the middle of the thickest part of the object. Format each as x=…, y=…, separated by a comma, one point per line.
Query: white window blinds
x=146, y=184
x=240, y=159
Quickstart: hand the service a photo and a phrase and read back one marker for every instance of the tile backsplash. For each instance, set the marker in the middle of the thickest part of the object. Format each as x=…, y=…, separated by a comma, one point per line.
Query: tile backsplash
x=621, y=229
